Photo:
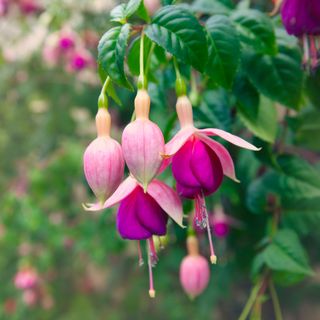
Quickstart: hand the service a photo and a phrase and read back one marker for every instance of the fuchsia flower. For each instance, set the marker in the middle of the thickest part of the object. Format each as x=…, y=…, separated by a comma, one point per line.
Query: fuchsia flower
x=66, y=40
x=29, y=6
x=103, y=162
x=199, y=163
x=142, y=214
x=194, y=270
x=79, y=60
x=4, y=6
x=143, y=142
x=26, y=278
x=302, y=19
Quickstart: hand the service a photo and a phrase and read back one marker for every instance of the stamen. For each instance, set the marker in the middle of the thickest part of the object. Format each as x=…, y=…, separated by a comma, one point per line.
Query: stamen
x=153, y=253
x=202, y=221
x=141, y=262
x=161, y=246
x=306, y=53
x=314, y=53
x=152, y=292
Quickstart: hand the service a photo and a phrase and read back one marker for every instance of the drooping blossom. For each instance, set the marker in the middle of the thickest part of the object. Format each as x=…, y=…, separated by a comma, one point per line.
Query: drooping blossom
x=26, y=278
x=4, y=6
x=103, y=162
x=143, y=214
x=67, y=39
x=143, y=142
x=194, y=270
x=301, y=18
x=152, y=6
x=29, y=6
x=199, y=162
x=79, y=60
x=29, y=297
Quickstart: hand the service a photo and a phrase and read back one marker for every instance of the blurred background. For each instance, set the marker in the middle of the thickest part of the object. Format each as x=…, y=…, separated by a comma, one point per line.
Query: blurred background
x=83, y=269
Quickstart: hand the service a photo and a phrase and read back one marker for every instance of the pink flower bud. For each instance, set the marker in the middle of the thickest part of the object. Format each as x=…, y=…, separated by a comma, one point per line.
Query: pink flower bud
x=103, y=160
x=26, y=278
x=29, y=297
x=143, y=142
x=152, y=6
x=66, y=40
x=194, y=270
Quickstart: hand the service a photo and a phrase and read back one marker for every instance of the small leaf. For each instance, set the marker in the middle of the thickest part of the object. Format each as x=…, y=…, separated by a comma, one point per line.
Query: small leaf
x=256, y=30
x=176, y=30
x=286, y=253
x=263, y=122
x=111, y=53
x=278, y=77
x=212, y=6
x=224, y=50
x=124, y=11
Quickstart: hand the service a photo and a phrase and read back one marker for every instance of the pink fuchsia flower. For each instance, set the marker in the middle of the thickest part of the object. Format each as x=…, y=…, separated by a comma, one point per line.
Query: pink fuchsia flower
x=4, y=6
x=152, y=6
x=144, y=214
x=29, y=6
x=26, y=278
x=29, y=297
x=103, y=162
x=199, y=163
x=79, y=60
x=67, y=40
x=302, y=19
x=194, y=270
x=143, y=142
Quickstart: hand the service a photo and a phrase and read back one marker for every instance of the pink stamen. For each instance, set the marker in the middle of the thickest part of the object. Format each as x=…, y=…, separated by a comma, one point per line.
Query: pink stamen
x=313, y=52
x=306, y=54
x=202, y=221
x=141, y=262
x=152, y=292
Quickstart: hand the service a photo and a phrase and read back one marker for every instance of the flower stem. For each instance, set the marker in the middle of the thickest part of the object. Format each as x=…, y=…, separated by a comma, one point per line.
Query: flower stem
x=142, y=81
x=252, y=298
x=275, y=301
x=181, y=89
x=149, y=58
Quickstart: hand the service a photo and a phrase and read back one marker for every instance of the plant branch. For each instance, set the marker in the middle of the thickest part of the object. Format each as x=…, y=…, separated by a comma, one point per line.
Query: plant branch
x=275, y=301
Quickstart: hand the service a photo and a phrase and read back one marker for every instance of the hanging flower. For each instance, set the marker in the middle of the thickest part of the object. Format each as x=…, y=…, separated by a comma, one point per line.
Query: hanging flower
x=26, y=278
x=144, y=214
x=199, y=163
x=194, y=270
x=143, y=142
x=103, y=162
x=301, y=18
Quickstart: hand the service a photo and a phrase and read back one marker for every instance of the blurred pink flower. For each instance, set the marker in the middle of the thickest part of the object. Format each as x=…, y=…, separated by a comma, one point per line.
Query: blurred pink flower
x=29, y=297
x=4, y=6
x=26, y=278
x=29, y=6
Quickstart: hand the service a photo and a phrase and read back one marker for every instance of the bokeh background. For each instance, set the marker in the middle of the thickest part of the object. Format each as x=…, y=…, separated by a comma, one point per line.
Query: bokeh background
x=47, y=108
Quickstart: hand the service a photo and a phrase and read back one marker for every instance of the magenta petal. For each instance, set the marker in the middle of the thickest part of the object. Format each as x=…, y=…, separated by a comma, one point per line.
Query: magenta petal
x=128, y=224
x=229, y=137
x=206, y=167
x=150, y=215
x=187, y=192
x=224, y=156
x=181, y=169
x=167, y=199
x=174, y=145
x=125, y=188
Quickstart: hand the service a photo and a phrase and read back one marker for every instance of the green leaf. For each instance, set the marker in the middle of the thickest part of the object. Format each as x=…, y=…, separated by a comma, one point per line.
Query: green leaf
x=212, y=6
x=122, y=12
x=256, y=30
x=224, y=50
x=286, y=253
x=262, y=122
x=111, y=53
x=278, y=77
x=312, y=88
x=176, y=30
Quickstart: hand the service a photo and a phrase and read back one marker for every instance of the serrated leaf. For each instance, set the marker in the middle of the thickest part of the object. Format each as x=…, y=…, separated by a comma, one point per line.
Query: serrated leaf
x=286, y=253
x=278, y=77
x=212, y=6
x=263, y=123
x=224, y=50
x=111, y=53
x=256, y=30
x=175, y=29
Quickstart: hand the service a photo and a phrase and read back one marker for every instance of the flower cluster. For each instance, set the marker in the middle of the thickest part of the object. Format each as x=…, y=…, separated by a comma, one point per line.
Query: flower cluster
x=67, y=49
x=301, y=18
x=198, y=166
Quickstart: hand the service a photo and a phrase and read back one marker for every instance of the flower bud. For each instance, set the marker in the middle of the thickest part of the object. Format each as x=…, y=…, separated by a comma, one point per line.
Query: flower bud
x=26, y=278
x=143, y=142
x=194, y=270
x=103, y=161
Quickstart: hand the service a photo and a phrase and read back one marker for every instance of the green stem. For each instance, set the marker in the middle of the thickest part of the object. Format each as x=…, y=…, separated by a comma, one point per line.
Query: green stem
x=103, y=98
x=275, y=301
x=252, y=298
x=176, y=68
x=142, y=81
x=149, y=57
